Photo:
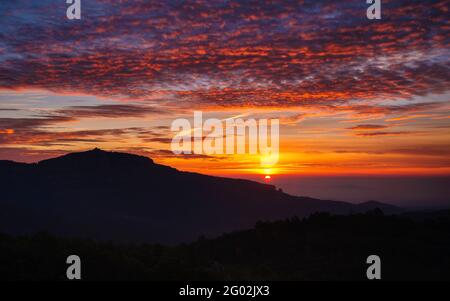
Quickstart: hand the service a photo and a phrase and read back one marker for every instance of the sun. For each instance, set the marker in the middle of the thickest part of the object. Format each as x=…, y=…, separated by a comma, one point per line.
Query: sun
x=268, y=177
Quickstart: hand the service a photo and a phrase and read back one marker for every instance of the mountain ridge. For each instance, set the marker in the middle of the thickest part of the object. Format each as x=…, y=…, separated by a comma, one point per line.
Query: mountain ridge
x=119, y=196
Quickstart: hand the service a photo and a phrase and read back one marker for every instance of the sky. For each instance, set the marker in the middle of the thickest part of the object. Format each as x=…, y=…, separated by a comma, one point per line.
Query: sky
x=354, y=96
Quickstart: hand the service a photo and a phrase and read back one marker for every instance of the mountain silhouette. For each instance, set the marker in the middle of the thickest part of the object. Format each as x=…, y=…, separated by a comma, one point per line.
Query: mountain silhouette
x=124, y=197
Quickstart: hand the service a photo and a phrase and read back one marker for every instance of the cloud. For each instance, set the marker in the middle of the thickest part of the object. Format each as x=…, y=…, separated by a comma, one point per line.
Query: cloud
x=228, y=53
x=109, y=111
x=293, y=119
x=44, y=132
x=164, y=140
x=163, y=153
x=18, y=124
x=374, y=134
x=418, y=150
x=314, y=61
x=382, y=110
x=425, y=150
x=44, y=128
x=367, y=127
x=6, y=132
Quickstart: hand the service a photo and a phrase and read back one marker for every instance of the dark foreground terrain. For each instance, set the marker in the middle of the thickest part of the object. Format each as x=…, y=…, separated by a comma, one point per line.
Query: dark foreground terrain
x=321, y=247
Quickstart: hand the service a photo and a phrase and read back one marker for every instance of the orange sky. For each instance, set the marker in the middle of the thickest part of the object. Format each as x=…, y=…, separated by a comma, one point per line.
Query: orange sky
x=353, y=96
x=312, y=140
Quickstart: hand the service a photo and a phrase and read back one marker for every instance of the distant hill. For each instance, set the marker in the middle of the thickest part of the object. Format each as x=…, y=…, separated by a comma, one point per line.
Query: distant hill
x=124, y=197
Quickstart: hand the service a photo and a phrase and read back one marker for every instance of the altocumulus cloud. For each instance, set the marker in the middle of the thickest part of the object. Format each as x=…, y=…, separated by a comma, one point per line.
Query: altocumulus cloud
x=227, y=53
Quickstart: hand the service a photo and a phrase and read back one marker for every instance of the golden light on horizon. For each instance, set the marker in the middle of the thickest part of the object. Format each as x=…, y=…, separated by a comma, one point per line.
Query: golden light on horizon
x=7, y=131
